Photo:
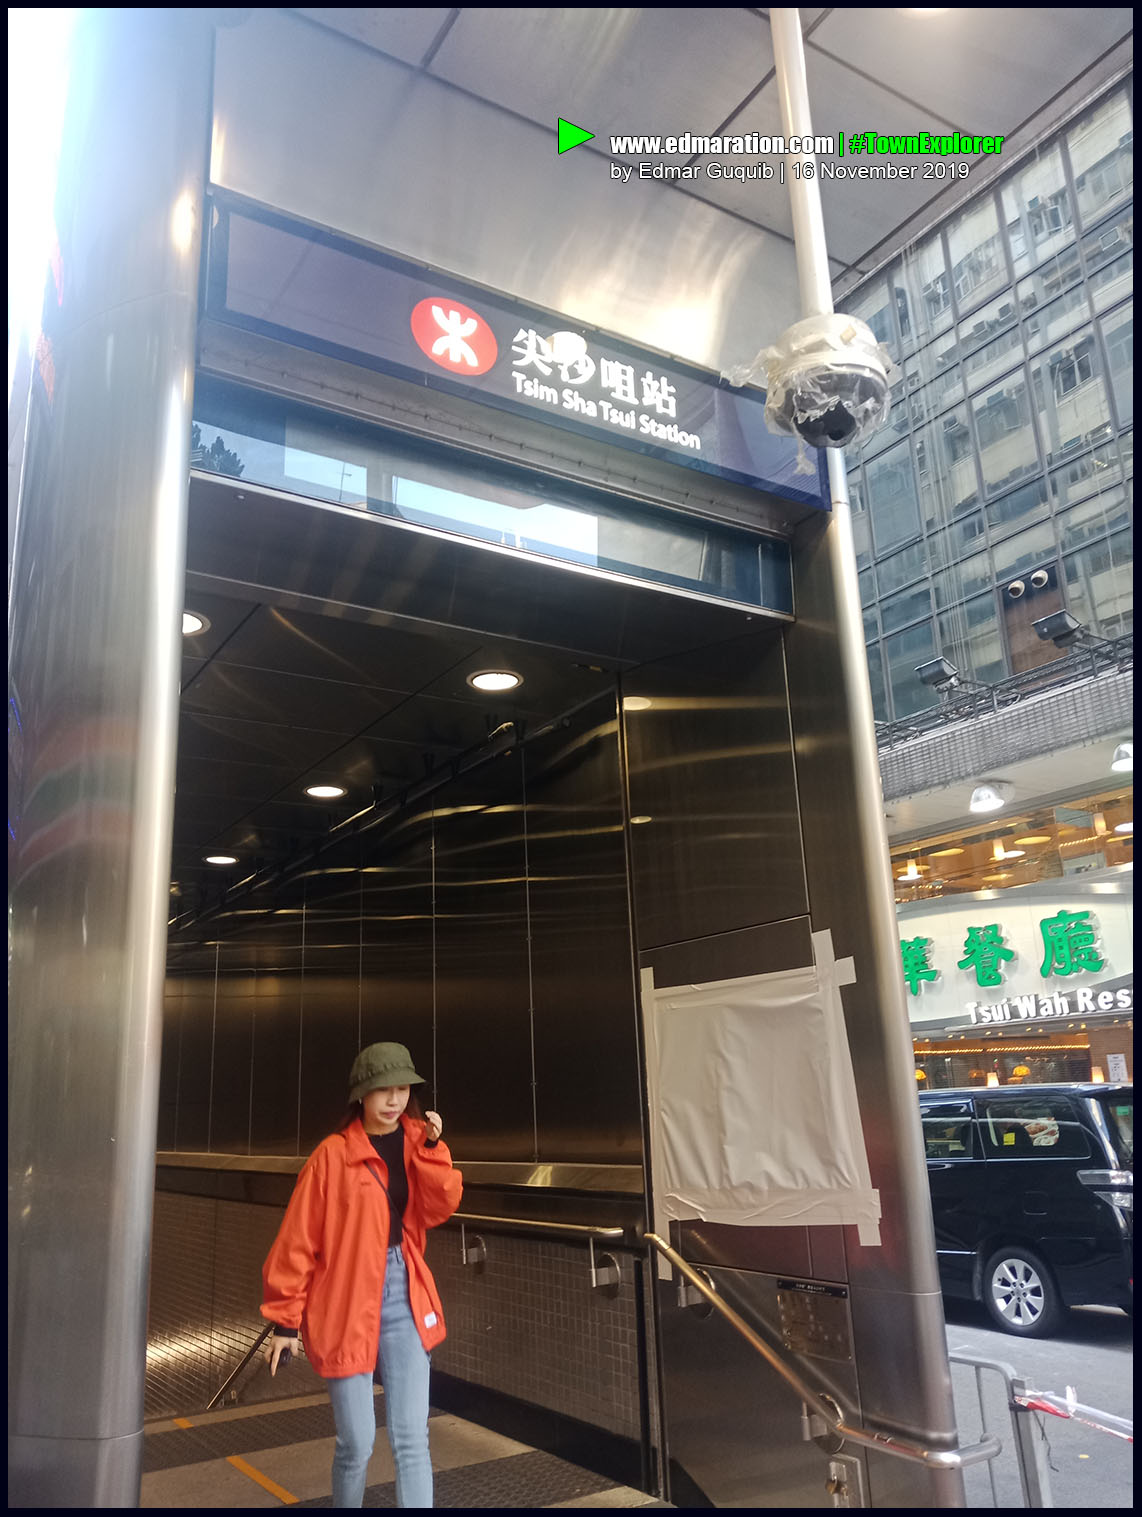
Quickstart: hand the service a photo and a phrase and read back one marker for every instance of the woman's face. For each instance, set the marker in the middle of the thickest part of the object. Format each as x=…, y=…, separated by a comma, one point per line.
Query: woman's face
x=382, y=1108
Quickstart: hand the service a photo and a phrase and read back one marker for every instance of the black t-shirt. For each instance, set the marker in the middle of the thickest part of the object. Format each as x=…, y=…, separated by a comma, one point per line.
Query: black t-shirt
x=390, y=1148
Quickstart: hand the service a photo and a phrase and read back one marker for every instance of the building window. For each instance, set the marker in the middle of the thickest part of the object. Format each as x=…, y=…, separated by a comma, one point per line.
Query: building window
x=1101, y=147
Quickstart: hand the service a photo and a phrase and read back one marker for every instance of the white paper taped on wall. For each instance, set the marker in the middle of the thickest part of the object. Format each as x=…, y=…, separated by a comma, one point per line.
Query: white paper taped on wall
x=754, y=1114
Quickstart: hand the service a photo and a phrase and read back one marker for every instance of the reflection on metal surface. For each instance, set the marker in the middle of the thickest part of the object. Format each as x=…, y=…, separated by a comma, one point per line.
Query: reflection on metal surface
x=97, y=594
x=825, y=1406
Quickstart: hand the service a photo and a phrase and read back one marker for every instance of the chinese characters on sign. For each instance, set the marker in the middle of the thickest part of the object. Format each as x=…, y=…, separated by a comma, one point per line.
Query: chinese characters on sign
x=1069, y=946
x=615, y=395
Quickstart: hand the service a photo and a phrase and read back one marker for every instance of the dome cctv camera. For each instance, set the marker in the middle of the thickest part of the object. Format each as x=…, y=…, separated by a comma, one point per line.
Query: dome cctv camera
x=1039, y=579
x=827, y=381
x=1016, y=588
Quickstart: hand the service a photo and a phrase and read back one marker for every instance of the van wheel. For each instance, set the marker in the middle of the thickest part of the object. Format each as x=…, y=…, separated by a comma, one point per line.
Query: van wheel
x=1020, y=1294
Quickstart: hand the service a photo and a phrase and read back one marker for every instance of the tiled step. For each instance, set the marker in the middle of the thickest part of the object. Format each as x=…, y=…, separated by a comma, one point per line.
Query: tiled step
x=280, y=1454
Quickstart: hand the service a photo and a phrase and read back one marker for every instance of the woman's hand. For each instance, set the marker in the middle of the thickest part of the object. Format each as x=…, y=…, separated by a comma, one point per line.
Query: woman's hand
x=434, y=1125
x=276, y=1347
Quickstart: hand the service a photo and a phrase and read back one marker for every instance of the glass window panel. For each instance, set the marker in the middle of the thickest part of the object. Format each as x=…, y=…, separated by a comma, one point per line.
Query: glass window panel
x=1018, y=509
x=1027, y=550
x=873, y=305
x=867, y=587
x=1070, y=396
x=1099, y=585
x=876, y=681
x=908, y=606
x=1101, y=146
x=1118, y=335
x=957, y=541
x=903, y=652
x=1094, y=518
x=940, y=374
x=900, y=301
x=892, y=500
x=1050, y=322
x=281, y=443
x=970, y=638
x=861, y=543
x=986, y=323
x=922, y=290
x=1085, y=476
x=995, y=358
x=1107, y=243
x=1113, y=283
x=1007, y=451
x=1037, y=210
x=976, y=252
x=1126, y=448
x=1055, y=276
x=945, y=464
x=963, y=579
x=871, y=626
x=902, y=568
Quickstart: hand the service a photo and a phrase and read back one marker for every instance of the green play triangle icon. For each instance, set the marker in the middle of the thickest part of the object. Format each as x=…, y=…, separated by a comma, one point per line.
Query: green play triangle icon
x=571, y=135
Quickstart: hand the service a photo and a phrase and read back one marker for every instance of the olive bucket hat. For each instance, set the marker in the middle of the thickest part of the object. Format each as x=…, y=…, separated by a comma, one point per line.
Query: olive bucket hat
x=379, y=1065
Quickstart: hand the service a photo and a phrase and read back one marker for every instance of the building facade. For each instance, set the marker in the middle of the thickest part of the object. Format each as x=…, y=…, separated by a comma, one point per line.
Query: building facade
x=1002, y=492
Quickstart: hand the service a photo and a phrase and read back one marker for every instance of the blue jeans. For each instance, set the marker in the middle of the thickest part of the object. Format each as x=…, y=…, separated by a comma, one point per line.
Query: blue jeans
x=403, y=1364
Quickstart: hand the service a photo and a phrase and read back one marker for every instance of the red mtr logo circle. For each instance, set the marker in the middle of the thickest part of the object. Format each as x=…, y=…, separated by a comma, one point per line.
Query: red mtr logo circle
x=453, y=336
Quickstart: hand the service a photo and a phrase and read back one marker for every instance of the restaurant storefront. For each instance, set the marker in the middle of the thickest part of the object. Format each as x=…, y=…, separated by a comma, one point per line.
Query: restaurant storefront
x=1022, y=986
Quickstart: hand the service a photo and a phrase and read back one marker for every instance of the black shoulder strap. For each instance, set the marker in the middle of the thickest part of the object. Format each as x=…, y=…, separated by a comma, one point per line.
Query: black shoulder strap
x=380, y=1182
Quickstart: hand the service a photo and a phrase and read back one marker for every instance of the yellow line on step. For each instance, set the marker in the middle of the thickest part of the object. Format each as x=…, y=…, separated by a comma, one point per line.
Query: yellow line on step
x=263, y=1480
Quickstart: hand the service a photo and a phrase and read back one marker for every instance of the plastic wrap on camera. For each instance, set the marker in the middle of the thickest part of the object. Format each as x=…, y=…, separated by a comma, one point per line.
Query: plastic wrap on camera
x=827, y=382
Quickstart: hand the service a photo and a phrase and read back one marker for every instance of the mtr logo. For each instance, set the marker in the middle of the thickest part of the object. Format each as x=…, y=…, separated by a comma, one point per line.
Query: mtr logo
x=453, y=336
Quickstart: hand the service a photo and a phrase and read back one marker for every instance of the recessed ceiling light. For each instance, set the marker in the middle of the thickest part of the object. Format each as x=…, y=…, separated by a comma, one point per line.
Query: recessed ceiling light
x=193, y=622
x=636, y=821
x=325, y=792
x=1125, y=827
x=945, y=853
x=221, y=858
x=991, y=795
x=1035, y=837
x=495, y=679
x=636, y=703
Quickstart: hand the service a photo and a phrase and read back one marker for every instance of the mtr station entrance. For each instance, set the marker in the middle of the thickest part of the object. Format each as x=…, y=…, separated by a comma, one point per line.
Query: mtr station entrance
x=525, y=883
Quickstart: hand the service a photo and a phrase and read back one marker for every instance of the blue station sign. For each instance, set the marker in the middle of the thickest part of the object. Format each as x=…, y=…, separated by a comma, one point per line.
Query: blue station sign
x=313, y=288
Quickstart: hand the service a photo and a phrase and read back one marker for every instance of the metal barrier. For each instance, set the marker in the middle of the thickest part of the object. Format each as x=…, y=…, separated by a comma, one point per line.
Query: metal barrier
x=1027, y=1439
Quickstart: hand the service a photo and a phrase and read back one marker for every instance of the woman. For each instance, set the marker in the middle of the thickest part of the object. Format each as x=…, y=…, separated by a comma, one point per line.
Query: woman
x=347, y=1267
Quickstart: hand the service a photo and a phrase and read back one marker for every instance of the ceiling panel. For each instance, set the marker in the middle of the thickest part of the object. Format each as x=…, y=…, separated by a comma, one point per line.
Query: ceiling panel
x=338, y=649
x=269, y=695
x=982, y=69
x=404, y=32
x=615, y=70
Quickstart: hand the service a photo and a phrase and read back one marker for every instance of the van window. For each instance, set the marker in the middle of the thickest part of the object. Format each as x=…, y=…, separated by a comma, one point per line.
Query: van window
x=1033, y=1127
x=1120, y=1120
x=948, y=1131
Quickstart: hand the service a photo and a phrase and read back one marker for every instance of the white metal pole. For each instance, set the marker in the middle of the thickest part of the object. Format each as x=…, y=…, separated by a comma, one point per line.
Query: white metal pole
x=801, y=167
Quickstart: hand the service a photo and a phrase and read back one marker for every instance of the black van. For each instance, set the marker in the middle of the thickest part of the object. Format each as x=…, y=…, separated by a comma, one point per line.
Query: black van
x=1033, y=1198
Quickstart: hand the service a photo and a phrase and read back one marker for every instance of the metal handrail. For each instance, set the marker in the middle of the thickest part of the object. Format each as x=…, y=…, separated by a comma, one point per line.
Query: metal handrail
x=234, y=1373
x=525, y=1224
x=824, y=1406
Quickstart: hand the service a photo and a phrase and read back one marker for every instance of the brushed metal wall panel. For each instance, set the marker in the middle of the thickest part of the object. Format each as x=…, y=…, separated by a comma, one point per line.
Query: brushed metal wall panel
x=733, y=1424
x=711, y=765
x=233, y=1064
x=277, y=1022
x=484, y=1062
x=329, y=1044
x=588, y=1089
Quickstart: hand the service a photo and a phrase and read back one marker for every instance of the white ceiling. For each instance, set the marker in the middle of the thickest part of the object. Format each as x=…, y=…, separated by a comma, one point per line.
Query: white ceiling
x=1048, y=780
x=984, y=70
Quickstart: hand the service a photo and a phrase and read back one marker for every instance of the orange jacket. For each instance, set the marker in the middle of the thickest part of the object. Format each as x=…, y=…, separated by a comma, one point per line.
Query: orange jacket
x=326, y=1269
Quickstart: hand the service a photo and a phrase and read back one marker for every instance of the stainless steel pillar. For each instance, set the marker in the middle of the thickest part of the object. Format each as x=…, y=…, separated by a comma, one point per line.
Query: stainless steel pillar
x=898, y=1325
x=94, y=642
